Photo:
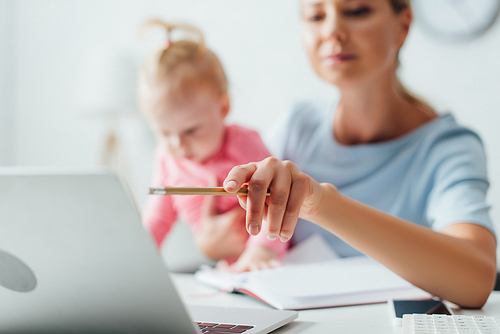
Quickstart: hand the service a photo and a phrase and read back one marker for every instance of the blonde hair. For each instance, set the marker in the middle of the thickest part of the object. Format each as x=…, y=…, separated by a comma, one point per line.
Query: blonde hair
x=178, y=65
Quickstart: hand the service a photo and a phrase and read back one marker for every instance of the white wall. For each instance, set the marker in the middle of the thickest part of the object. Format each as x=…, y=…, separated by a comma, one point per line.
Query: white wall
x=3, y=136
x=257, y=41
x=7, y=115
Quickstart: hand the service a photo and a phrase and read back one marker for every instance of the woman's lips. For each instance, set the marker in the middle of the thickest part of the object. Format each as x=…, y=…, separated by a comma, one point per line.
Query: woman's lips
x=338, y=58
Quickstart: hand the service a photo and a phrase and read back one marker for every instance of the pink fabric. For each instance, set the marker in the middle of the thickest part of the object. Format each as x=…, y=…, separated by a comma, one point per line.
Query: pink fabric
x=240, y=146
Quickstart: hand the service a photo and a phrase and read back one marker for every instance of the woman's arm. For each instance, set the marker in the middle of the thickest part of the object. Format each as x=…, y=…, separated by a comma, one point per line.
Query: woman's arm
x=458, y=264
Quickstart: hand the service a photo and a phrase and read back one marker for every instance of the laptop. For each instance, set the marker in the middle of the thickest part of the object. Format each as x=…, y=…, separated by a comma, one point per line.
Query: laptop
x=74, y=258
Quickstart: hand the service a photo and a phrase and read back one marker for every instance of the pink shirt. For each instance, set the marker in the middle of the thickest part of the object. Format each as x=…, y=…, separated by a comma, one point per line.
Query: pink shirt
x=240, y=146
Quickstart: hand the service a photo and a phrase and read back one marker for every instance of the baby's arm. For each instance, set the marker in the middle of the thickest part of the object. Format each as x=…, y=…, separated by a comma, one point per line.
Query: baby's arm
x=158, y=217
x=279, y=248
x=159, y=214
x=221, y=235
x=260, y=253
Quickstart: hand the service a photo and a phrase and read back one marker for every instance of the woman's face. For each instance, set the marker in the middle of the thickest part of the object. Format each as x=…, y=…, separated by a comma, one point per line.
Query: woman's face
x=351, y=40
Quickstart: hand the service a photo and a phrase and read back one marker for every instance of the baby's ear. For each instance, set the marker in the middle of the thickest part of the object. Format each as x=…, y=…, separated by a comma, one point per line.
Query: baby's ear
x=225, y=105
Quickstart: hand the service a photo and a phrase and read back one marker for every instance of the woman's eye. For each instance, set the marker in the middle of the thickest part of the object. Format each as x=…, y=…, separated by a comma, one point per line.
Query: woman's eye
x=358, y=12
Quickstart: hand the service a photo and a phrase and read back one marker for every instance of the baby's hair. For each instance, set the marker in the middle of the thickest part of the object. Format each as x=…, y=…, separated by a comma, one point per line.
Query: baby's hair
x=179, y=64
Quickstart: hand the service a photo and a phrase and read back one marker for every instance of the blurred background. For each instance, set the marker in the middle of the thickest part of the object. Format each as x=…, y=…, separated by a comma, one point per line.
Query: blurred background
x=68, y=71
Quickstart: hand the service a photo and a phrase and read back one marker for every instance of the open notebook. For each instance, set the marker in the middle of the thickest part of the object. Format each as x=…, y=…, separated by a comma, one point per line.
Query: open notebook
x=327, y=283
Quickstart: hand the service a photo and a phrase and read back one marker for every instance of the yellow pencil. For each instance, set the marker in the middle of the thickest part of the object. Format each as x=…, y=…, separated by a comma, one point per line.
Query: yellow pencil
x=195, y=191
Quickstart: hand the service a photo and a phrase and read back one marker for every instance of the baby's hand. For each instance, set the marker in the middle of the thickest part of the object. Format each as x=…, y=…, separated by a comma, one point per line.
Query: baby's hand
x=255, y=257
x=221, y=235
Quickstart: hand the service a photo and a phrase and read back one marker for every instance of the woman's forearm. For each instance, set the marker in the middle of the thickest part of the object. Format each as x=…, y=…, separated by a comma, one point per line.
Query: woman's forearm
x=458, y=264
x=459, y=269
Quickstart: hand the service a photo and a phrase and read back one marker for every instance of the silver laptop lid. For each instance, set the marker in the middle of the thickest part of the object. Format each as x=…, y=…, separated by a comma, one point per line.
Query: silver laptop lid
x=75, y=258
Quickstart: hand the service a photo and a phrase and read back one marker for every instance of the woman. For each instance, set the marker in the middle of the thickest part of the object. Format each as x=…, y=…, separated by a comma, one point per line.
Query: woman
x=405, y=186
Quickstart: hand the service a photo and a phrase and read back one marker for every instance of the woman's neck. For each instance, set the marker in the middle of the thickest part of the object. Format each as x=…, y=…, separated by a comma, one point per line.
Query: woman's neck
x=375, y=112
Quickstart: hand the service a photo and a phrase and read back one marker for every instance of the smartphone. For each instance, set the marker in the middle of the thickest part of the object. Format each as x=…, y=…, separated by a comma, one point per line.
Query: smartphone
x=424, y=306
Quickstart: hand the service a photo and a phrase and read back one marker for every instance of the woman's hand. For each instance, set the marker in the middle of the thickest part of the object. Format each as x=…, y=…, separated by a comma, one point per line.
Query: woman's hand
x=221, y=235
x=292, y=193
x=255, y=257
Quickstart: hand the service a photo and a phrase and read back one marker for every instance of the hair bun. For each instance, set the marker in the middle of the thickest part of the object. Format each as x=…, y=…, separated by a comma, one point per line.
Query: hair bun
x=188, y=32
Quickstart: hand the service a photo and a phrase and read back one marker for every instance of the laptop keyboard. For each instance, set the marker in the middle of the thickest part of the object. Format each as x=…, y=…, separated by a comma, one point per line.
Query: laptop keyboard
x=215, y=328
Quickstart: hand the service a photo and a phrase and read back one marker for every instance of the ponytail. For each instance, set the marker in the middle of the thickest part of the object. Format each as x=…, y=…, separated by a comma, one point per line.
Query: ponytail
x=190, y=48
x=178, y=63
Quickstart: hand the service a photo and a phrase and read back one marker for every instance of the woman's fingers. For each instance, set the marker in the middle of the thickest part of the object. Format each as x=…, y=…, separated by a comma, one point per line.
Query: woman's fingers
x=277, y=203
x=238, y=176
x=298, y=192
x=288, y=189
x=258, y=185
x=257, y=180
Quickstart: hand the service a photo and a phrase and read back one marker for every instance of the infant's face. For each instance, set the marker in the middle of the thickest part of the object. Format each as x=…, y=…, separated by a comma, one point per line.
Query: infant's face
x=193, y=127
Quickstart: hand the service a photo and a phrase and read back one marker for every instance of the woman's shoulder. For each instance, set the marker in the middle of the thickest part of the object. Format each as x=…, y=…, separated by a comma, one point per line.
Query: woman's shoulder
x=445, y=130
x=448, y=143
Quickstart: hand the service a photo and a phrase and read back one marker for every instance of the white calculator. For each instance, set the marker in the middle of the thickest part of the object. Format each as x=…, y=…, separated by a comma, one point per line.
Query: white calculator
x=448, y=324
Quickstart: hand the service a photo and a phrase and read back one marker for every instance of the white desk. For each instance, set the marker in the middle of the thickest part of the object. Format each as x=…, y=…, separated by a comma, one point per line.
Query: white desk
x=373, y=319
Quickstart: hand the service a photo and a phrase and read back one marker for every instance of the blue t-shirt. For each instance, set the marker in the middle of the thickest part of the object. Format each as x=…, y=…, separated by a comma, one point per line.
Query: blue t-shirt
x=434, y=176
